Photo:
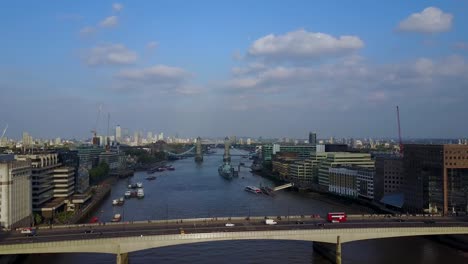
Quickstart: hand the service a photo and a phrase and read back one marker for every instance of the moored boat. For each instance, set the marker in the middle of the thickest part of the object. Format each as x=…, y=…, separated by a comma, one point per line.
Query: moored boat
x=253, y=189
x=116, y=218
x=139, y=185
x=128, y=194
x=140, y=194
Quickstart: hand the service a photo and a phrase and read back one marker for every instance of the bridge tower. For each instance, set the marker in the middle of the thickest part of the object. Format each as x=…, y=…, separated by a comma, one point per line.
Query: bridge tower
x=227, y=147
x=198, y=151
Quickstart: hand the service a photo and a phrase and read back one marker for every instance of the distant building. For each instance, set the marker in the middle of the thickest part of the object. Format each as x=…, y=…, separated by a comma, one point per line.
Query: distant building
x=436, y=178
x=118, y=133
x=312, y=138
x=249, y=141
x=336, y=148
x=15, y=192
x=149, y=137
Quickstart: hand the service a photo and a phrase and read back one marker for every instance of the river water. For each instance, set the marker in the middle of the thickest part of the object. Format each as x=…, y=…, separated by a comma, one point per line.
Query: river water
x=196, y=190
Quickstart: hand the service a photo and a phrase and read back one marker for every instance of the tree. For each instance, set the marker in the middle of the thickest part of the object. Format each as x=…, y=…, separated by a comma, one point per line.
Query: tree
x=99, y=172
x=37, y=218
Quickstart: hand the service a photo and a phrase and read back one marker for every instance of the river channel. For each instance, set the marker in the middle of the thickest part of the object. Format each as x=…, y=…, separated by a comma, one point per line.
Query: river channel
x=196, y=190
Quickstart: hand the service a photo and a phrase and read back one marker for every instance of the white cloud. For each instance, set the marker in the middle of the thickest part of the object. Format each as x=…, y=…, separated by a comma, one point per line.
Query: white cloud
x=302, y=44
x=87, y=31
x=430, y=20
x=158, y=78
x=111, y=21
x=152, y=45
x=352, y=82
x=117, y=7
x=158, y=73
x=110, y=54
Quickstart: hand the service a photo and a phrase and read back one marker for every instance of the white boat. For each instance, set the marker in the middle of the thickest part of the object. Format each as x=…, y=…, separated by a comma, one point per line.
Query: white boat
x=139, y=185
x=253, y=189
x=128, y=194
x=116, y=218
x=140, y=193
x=115, y=202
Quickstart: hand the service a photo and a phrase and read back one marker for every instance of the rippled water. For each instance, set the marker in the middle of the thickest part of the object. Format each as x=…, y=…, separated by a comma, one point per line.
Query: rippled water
x=198, y=191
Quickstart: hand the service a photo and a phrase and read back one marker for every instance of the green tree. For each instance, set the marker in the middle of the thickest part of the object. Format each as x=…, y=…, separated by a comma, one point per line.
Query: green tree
x=37, y=218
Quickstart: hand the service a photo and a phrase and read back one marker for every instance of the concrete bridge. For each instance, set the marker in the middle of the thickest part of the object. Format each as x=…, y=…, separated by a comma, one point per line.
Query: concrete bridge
x=121, y=239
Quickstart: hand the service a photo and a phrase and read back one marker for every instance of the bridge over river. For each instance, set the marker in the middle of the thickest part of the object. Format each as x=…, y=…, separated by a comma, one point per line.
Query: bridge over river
x=123, y=238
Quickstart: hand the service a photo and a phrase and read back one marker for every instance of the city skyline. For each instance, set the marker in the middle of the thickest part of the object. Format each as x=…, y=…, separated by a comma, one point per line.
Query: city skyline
x=258, y=69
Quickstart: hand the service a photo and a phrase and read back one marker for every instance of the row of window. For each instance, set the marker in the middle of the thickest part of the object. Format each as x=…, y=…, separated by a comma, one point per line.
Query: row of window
x=393, y=182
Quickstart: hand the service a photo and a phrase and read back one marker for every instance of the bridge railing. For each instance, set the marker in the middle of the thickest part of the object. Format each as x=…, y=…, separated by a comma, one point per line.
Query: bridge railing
x=178, y=221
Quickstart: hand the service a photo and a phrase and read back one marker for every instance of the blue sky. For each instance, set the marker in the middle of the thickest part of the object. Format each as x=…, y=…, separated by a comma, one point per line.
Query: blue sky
x=215, y=68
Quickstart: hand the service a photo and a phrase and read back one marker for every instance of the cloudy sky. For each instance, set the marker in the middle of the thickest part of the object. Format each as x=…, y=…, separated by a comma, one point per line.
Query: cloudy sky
x=247, y=68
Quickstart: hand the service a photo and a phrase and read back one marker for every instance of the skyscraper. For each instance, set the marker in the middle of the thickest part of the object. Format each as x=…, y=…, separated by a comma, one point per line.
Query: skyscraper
x=118, y=133
x=312, y=138
x=149, y=136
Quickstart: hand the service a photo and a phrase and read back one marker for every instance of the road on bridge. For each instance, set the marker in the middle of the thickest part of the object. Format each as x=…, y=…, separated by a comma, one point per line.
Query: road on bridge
x=212, y=225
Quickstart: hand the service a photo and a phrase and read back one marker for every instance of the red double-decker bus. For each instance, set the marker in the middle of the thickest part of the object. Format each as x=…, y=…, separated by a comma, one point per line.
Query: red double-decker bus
x=336, y=217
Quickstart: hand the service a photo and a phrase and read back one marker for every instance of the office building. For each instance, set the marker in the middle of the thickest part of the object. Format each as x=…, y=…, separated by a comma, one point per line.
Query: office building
x=436, y=178
x=303, y=151
x=340, y=159
x=43, y=166
x=115, y=160
x=89, y=156
x=389, y=176
x=353, y=181
x=15, y=192
x=312, y=138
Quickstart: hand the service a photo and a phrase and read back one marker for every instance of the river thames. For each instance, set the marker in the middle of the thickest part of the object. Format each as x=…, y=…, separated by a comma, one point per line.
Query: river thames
x=196, y=190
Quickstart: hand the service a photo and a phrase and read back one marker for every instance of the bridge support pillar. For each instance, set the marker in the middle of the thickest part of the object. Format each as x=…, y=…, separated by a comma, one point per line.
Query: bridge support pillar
x=122, y=258
x=330, y=251
x=338, y=250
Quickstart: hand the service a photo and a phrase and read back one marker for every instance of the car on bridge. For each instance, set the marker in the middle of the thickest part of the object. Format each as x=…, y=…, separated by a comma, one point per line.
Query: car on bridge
x=230, y=224
x=28, y=231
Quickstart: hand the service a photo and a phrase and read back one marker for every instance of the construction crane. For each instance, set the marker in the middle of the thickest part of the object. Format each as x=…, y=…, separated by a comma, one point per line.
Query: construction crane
x=94, y=131
x=399, y=130
x=3, y=134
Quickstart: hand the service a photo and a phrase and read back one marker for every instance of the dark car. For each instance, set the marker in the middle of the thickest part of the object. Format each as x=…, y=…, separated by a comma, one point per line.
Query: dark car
x=400, y=220
x=299, y=223
x=89, y=231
